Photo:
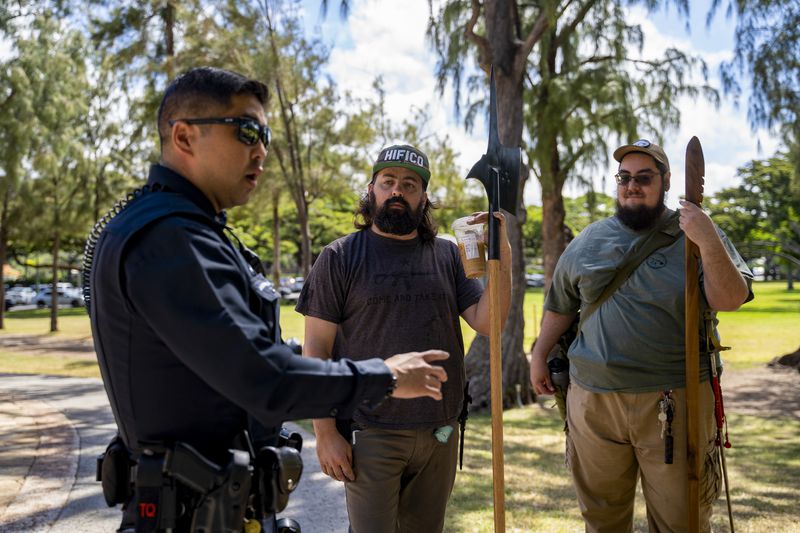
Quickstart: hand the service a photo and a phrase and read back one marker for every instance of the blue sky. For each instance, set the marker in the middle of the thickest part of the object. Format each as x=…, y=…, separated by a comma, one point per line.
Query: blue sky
x=717, y=38
x=388, y=39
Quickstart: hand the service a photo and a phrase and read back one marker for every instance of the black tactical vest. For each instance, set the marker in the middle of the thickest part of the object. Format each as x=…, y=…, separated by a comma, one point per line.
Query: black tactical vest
x=107, y=292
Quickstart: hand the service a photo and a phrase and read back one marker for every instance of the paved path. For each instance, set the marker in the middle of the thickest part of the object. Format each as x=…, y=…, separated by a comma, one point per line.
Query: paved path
x=52, y=428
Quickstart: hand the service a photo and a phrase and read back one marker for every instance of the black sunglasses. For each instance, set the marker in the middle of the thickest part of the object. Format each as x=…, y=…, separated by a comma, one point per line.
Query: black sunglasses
x=643, y=179
x=249, y=131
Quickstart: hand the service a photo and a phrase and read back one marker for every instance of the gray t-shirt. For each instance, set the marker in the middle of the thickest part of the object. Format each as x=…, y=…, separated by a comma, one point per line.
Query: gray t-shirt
x=390, y=296
x=634, y=342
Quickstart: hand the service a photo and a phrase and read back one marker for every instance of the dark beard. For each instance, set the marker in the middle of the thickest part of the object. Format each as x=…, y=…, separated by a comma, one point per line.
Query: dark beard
x=640, y=218
x=393, y=222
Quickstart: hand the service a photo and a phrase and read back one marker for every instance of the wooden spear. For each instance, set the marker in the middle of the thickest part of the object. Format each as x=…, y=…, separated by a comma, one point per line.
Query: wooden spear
x=695, y=170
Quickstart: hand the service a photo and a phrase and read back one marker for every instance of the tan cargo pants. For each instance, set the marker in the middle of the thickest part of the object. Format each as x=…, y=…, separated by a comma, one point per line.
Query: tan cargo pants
x=615, y=438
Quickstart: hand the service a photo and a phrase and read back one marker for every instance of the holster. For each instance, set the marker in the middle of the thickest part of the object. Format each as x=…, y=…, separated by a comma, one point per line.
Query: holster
x=179, y=477
x=462, y=423
x=176, y=485
x=277, y=474
x=114, y=472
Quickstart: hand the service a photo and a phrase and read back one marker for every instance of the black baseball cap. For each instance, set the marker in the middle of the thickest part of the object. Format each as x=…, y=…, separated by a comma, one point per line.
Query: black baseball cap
x=406, y=156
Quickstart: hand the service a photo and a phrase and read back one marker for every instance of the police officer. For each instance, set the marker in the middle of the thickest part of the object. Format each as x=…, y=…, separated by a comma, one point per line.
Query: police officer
x=186, y=331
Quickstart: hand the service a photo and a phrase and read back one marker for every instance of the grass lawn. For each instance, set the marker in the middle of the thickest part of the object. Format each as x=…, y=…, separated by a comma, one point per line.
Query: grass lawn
x=767, y=327
x=21, y=363
x=72, y=323
x=763, y=468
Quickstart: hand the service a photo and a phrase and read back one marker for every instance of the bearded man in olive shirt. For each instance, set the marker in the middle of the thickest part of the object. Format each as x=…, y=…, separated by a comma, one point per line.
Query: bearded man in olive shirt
x=629, y=355
x=394, y=284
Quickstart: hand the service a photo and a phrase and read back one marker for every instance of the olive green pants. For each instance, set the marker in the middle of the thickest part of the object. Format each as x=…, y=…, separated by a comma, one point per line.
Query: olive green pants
x=615, y=438
x=403, y=480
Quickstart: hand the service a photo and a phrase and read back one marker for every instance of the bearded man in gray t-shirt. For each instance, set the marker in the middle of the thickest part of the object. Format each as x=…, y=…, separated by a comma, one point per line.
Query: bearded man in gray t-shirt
x=629, y=359
x=392, y=285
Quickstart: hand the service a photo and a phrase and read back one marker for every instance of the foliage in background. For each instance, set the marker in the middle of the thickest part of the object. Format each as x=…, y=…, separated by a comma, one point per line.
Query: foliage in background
x=761, y=216
x=571, y=67
x=320, y=152
x=45, y=180
x=587, y=208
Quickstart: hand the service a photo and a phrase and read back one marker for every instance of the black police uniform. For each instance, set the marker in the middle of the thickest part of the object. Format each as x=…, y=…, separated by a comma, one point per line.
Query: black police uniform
x=187, y=335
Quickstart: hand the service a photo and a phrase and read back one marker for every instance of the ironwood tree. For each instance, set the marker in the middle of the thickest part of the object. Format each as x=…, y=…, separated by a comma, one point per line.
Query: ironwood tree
x=54, y=192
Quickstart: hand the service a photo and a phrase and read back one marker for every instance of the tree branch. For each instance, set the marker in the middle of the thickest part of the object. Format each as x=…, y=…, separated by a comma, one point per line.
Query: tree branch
x=569, y=29
x=596, y=59
x=524, y=49
x=570, y=163
x=469, y=29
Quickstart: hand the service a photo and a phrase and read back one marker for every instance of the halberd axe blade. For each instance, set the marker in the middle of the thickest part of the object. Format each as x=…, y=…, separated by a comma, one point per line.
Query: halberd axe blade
x=501, y=160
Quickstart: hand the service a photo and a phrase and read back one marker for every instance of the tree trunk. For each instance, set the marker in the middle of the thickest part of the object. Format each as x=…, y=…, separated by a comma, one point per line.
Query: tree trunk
x=169, y=38
x=56, y=246
x=276, y=240
x=553, y=238
x=305, y=237
x=54, y=292
x=3, y=248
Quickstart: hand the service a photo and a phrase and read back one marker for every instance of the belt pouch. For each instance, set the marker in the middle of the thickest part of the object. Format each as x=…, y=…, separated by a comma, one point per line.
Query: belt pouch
x=155, y=495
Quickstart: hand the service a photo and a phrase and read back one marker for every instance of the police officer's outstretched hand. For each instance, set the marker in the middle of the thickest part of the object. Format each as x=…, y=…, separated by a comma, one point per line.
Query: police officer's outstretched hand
x=415, y=376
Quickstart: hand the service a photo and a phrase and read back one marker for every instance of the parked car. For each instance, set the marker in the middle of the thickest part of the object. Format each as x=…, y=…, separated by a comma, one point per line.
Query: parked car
x=534, y=280
x=20, y=295
x=71, y=297
x=290, y=287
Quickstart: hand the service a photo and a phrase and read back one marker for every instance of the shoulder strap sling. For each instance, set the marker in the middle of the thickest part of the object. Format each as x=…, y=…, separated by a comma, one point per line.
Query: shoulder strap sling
x=663, y=235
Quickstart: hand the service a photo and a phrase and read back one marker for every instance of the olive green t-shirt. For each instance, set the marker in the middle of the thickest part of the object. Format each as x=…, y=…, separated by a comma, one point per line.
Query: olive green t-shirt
x=634, y=342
